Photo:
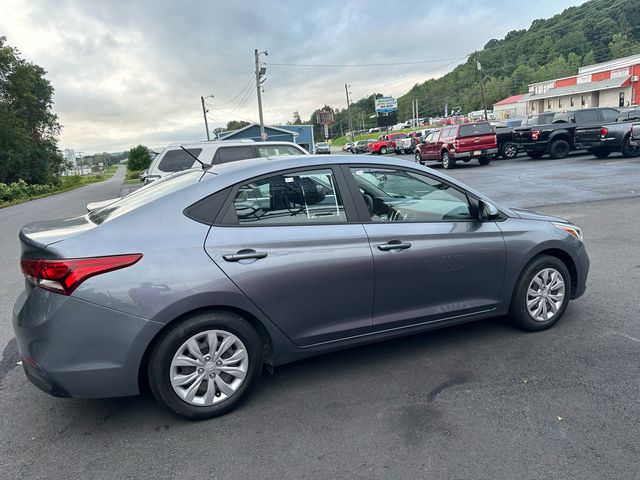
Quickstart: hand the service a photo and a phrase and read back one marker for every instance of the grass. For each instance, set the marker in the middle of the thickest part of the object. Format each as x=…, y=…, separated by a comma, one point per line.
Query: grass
x=21, y=192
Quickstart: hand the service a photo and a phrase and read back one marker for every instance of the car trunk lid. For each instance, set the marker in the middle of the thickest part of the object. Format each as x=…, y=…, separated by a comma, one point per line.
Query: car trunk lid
x=36, y=237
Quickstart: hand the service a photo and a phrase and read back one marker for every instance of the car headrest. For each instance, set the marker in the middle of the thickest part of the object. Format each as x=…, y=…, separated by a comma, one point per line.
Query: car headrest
x=292, y=190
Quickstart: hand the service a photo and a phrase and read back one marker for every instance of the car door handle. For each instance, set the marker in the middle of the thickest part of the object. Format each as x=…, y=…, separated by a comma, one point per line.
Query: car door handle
x=393, y=245
x=247, y=254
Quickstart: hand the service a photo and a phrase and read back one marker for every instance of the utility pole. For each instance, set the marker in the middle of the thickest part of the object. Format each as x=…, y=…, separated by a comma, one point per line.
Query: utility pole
x=260, y=71
x=346, y=89
x=204, y=114
x=484, y=101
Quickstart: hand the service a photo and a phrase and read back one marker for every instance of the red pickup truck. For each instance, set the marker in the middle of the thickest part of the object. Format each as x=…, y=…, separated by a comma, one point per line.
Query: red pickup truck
x=386, y=143
x=459, y=142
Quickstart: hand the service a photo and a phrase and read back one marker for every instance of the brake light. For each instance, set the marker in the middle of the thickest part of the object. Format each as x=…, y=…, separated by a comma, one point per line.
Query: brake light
x=604, y=132
x=65, y=275
x=456, y=144
x=535, y=134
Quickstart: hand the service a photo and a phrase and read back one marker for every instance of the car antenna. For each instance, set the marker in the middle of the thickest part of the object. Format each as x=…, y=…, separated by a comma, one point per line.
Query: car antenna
x=205, y=166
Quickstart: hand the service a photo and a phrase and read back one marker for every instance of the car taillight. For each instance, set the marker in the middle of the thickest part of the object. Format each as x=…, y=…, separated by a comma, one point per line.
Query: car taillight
x=456, y=144
x=604, y=132
x=535, y=134
x=65, y=275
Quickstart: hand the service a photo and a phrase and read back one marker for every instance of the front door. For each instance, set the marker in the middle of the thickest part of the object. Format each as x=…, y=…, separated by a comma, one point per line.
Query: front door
x=287, y=245
x=433, y=259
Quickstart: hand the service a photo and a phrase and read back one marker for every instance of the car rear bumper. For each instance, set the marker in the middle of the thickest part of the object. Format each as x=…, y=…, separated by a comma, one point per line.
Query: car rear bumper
x=485, y=152
x=73, y=348
x=532, y=146
x=594, y=144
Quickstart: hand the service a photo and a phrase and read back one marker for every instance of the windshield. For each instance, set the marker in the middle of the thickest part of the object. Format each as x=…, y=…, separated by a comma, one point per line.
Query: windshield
x=323, y=144
x=145, y=195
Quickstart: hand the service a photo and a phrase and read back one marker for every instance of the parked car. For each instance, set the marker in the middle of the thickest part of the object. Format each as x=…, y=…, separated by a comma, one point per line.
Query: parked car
x=386, y=143
x=362, y=146
x=557, y=138
x=192, y=304
x=603, y=140
x=322, y=148
x=143, y=175
x=408, y=144
x=507, y=148
x=348, y=147
x=459, y=142
x=174, y=158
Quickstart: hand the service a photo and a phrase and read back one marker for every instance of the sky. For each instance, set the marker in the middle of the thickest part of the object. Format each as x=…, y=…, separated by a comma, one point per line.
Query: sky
x=132, y=72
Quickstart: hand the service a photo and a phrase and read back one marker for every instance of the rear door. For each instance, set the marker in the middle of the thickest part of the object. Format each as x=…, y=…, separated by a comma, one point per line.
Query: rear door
x=433, y=258
x=290, y=241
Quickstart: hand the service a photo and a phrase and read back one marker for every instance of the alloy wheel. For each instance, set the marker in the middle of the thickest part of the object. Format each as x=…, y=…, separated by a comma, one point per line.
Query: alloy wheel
x=545, y=294
x=209, y=367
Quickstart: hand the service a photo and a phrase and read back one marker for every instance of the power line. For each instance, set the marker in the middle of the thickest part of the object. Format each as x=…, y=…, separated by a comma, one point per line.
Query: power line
x=341, y=65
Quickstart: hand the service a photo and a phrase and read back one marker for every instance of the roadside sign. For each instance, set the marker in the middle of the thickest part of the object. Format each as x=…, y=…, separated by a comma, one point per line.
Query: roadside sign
x=386, y=104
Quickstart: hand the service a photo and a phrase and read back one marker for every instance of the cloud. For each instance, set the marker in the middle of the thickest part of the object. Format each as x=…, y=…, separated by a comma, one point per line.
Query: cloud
x=133, y=72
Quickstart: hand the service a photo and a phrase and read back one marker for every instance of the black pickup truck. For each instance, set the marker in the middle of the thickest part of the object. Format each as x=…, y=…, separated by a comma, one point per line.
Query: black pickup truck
x=603, y=140
x=507, y=148
x=557, y=138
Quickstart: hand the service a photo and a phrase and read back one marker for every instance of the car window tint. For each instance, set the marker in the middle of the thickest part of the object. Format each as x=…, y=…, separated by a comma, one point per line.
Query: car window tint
x=278, y=150
x=293, y=198
x=588, y=116
x=177, y=160
x=477, y=129
x=610, y=115
x=405, y=196
x=232, y=154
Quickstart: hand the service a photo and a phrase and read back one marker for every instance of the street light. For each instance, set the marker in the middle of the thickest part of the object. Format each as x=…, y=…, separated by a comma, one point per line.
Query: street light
x=204, y=114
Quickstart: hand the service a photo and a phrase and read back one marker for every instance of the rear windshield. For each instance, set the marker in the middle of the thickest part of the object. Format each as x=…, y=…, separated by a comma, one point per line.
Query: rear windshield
x=473, y=130
x=146, y=194
x=177, y=160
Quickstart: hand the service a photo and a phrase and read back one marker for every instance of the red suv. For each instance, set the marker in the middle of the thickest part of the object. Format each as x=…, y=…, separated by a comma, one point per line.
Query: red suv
x=459, y=142
x=386, y=143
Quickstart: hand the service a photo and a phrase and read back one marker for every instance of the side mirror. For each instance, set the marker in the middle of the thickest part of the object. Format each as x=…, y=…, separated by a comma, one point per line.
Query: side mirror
x=488, y=211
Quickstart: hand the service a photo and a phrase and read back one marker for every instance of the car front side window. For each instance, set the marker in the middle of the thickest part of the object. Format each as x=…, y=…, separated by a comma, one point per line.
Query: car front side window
x=404, y=196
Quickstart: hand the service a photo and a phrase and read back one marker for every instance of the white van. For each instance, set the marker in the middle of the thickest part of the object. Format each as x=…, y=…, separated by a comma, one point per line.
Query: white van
x=174, y=159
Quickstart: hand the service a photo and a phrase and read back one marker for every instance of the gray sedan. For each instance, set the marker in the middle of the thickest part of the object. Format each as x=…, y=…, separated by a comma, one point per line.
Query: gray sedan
x=194, y=283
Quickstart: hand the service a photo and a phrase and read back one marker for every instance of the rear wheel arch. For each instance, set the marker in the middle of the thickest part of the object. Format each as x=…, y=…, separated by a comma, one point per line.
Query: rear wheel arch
x=255, y=323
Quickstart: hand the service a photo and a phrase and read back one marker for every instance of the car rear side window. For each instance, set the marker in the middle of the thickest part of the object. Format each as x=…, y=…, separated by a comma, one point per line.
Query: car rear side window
x=233, y=154
x=291, y=198
x=474, y=130
x=178, y=160
x=610, y=115
x=145, y=195
x=278, y=150
x=405, y=196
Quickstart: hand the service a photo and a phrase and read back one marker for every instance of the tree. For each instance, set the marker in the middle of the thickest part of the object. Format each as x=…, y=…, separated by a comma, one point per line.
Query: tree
x=622, y=46
x=139, y=158
x=236, y=125
x=28, y=127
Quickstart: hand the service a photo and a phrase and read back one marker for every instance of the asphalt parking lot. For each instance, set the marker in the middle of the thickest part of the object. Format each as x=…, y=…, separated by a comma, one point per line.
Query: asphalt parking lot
x=477, y=401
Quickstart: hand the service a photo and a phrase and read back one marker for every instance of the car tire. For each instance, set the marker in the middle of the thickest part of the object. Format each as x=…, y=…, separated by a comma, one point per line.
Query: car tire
x=484, y=160
x=416, y=157
x=508, y=150
x=447, y=162
x=535, y=154
x=167, y=360
x=559, y=149
x=534, y=279
x=628, y=151
x=383, y=151
x=600, y=153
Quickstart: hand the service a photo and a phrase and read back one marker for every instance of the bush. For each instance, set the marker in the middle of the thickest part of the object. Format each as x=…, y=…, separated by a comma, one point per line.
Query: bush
x=21, y=190
x=133, y=174
x=139, y=158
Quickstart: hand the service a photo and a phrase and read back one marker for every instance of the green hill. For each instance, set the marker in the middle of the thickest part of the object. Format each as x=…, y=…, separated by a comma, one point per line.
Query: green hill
x=596, y=31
